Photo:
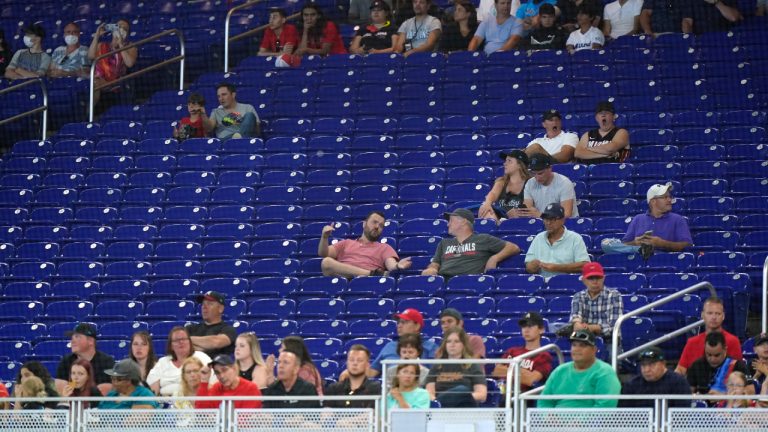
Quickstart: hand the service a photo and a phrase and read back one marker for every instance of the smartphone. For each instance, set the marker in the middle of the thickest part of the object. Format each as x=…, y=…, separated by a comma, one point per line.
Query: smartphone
x=647, y=233
x=110, y=27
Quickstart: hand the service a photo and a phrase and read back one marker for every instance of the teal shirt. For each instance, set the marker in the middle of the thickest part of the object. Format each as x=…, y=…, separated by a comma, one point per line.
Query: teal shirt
x=600, y=378
x=417, y=398
x=140, y=391
x=568, y=250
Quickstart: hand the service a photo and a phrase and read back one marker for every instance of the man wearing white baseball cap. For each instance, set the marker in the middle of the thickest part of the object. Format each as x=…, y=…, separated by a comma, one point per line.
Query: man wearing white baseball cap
x=659, y=228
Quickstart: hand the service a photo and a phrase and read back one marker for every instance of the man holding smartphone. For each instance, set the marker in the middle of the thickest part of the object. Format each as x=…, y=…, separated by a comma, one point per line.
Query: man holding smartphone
x=659, y=228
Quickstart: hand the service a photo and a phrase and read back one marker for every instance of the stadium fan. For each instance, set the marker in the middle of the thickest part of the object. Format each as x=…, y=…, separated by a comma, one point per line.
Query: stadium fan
x=586, y=36
x=70, y=59
x=212, y=335
x=501, y=34
x=758, y=368
x=606, y=143
x=452, y=318
x=596, y=308
x=456, y=385
x=409, y=321
x=290, y=384
x=34, y=368
x=230, y=383
x=33, y=61
x=356, y=383
x=662, y=16
x=505, y=199
x=319, y=34
x=420, y=33
x=713, y=314
x=360, y=9
x=737, y=384
x=364, y=256
x=659, y=228
x=377, y=37
x=405, y=392
x=467, y=252
x=547, y=187
x=557, y=143
x=704, y=16
x=83, y=346
x=621, y=17
x=32, y=387
x=709, y=373
x=231, y=119
x=655, y=379
x=126, y=382
x=251, y=362
x=81, y=384
x=115, y=65
x=409, y=347
x=307, y=369
x=192, y=126
x=533, y=370
x=529, y=11
x=165, y=377
x=549, y=34
x=556, y=250
x=569, y=11
x=584, y=375
x=458, y=32
x=280, y=37
x=143, y=352
x=192, y=371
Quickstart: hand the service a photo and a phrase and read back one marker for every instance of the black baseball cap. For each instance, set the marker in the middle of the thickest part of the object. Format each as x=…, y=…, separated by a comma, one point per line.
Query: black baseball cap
x=551, y=113
x=212, y=296
x=605, y=106
x=540, y=161
x=585, y=336
x=547, y=9
x=85, y=329
x=553, y=211
x=517, y=154
x=222, y=359
x=379, y=4
x=531, y=319
x=651, y=355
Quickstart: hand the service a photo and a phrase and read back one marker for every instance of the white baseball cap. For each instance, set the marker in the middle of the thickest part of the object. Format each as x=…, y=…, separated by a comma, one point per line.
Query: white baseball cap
x=658, y=190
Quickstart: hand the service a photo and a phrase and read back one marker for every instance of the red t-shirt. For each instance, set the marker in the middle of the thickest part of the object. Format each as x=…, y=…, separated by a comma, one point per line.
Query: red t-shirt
x=289, y=36
x=330, y=35
x=245, y=388
x=197, y=127
x=694, y=348
x=3, y=391
x=369, y=256
x=542, y=363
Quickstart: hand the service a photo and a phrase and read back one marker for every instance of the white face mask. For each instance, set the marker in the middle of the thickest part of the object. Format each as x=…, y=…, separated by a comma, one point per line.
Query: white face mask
x=28, y=41
x=71, y=39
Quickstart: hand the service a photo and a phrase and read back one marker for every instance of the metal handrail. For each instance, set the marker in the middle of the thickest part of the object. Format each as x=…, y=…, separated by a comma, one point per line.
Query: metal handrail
x=517, y=409
x=179, y=58
x=617, y=326
x=43, y=109
x=764, y=321
x=244, y=34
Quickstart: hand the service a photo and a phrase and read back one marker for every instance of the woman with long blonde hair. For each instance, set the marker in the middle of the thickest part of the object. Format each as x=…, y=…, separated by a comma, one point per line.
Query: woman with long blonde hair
x=251, y=361
x=505, y=199
x=192, y=371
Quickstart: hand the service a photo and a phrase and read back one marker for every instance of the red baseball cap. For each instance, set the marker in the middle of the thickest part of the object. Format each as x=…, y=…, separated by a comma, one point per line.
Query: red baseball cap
x=592, y=269
x=411, y=314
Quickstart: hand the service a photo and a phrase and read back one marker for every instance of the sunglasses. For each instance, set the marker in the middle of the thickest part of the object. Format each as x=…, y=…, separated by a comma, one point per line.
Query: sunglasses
x=649, y=355
x=582, y=337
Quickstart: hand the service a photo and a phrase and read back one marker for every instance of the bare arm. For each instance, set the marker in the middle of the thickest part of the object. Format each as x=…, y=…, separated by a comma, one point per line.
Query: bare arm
x=104, y=388
x=480, y=392
x=323, y=250
x=730, y=13
x=568, y=207
x=209, y=123
x=385, y=50
x=533, y=266
x=355, y=47
x=204, y=343
x=658, y=242
x=645, y=21
x=392, y=264
x=564, y=268
x=565, y=154
x=93, y=48
x=510, y=44
x=487, y=206
x=431, y=269
x=431, y=390
x=475, y=43
x=607, y=28
x=400, y=43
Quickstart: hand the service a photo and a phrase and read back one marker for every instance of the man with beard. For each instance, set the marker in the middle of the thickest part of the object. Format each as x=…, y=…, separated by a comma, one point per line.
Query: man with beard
x=365, y=256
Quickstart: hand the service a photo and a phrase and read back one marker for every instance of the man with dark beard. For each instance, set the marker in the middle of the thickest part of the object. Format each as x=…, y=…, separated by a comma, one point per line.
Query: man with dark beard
x=365, y=256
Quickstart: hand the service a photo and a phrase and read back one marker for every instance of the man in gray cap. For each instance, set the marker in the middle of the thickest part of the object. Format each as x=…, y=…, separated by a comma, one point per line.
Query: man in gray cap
x=655, y=379
x=556, y=250
x=450, y=318
x=212, y=336
x=547, y=186
x=126, y=380
x=467, y=252
x=83, y=346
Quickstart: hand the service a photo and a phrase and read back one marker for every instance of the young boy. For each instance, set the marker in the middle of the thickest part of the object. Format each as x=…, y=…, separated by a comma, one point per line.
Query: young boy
x=586, y=36
x=409, y=347
x=192, y=126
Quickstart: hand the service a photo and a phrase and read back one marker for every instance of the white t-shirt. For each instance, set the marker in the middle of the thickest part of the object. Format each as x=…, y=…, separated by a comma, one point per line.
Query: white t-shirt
x=169, y=375
x=554, y=145
x=622, y=18
x=581, y=41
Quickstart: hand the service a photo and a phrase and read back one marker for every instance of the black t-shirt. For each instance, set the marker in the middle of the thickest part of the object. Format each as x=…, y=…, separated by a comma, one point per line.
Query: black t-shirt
x=376, y=38
x=568, y=9
x=546, y=38
x=452, y=39
x=341, y=388
x=203, y=329
x=707, y=17
x=669, y=383
x=300, y=388
x=100, y=362
x=701, y=376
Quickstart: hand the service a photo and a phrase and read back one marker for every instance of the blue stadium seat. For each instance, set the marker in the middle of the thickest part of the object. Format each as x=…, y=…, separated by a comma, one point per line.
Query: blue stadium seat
x=372, y=328
x=21, y=311
x=320, y=308
x=168, y=310
x=118, y=310
x=279, y=328
x=368, y=286
x=324, y=328
x=516, y=306
x=371, y=308
x=430, y=307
